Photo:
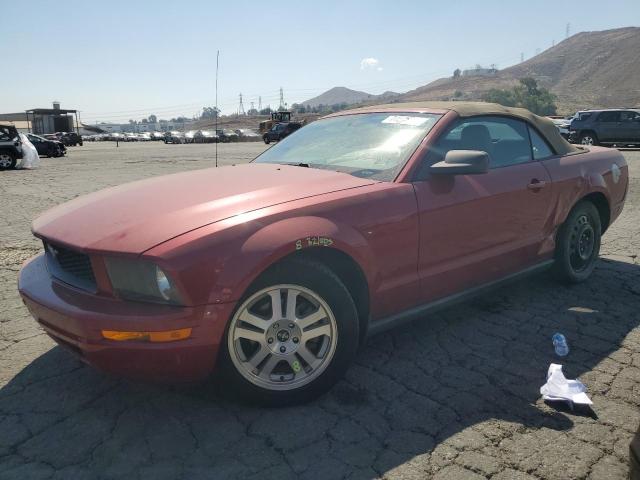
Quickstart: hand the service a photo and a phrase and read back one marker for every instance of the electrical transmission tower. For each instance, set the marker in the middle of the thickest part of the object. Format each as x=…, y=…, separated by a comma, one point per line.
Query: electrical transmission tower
x=252, y=109
x=241, y=107
x=259, y=103
x=281, y=100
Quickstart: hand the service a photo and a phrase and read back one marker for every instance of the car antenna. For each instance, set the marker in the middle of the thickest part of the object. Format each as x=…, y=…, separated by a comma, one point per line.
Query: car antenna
x=217, y=111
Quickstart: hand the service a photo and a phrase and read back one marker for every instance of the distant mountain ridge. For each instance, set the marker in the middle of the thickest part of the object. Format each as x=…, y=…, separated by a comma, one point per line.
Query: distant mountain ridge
x=588, y=70
x=338, y=95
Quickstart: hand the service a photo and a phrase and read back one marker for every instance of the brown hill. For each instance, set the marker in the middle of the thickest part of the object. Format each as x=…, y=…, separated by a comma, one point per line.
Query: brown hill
x=338, y=95
x=587, y=70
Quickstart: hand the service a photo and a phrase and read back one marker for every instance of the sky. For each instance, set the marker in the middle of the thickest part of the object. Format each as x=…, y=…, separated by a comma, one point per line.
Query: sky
x=121, y=60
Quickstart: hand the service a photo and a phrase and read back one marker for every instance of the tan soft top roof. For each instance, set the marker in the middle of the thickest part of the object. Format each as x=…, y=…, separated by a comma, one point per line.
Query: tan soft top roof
x=471, y=109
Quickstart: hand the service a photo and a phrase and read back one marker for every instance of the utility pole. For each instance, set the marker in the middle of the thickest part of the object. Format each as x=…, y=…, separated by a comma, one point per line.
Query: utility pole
x=241, y=107
x=281, y=107
x=259, y=103
x=568, y=31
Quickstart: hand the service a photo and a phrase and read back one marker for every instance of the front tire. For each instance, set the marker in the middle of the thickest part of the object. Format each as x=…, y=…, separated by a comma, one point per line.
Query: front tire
x=7, y=161
x=578, y=244
x=292, y=337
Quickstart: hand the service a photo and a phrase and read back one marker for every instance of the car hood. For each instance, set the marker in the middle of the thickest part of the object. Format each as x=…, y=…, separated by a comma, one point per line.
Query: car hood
x=134, y=217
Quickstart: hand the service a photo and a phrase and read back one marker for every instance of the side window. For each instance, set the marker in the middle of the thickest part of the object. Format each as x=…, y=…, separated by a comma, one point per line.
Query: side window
x=629, y=116
x=4, y=134
x=539, y=146
x=506, y=140
x=609, y=117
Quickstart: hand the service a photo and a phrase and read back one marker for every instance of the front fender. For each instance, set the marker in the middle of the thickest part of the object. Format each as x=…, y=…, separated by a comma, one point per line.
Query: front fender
x=273, y=242
x=219, y=264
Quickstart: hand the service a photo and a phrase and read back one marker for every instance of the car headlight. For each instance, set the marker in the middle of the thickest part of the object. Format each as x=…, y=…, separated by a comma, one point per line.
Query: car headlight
x=141, y=280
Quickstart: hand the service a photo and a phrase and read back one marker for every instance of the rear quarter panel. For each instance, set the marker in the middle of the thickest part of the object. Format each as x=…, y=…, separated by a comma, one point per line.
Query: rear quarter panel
x=578, y=175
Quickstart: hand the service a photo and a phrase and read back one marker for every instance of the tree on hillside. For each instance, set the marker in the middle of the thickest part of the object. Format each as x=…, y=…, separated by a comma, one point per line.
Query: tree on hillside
x=297, y=108
x=153, y=119
x=456, y=73
x=526, y=95
x=210, y=112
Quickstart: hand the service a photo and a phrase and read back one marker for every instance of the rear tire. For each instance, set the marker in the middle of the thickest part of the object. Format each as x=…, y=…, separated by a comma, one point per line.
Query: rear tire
x=302, y=360
x=578, y=244
x=588, y=139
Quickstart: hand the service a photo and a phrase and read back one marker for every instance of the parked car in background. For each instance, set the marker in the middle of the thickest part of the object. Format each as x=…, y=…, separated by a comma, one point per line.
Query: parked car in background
x=44, y=146
x=189, y=136
x=246, y=135
x=280, y=131
x=620, y=127
x=205, y=136
x=157, y=136
x=174, y=137
x=70, y=139
x=130, y=137
x=226, y=135
x=10, y=147
x=277, y=270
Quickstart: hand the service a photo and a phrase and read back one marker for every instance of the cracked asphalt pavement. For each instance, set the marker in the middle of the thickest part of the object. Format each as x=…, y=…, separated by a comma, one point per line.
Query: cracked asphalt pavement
x=454, y=396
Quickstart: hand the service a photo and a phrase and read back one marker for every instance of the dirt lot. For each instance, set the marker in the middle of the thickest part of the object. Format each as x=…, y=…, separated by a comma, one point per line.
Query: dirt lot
x=452, y=397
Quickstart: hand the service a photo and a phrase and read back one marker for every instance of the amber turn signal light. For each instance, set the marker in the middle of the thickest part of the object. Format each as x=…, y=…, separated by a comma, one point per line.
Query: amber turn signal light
x=166, y=336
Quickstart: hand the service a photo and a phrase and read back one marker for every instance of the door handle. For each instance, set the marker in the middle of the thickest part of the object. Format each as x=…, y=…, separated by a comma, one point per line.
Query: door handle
x=536, y=184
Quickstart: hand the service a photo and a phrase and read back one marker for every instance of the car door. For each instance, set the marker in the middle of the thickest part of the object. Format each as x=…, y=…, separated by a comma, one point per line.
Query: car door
x=630, y=122
x=609, y=127
x=478, y=228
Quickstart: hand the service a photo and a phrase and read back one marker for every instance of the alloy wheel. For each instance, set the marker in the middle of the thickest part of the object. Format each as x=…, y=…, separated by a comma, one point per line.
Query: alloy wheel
x=282, y=337
x=587, y=140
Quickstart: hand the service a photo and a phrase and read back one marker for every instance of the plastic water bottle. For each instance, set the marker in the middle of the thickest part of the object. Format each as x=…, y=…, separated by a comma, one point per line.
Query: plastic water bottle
x=560, y=345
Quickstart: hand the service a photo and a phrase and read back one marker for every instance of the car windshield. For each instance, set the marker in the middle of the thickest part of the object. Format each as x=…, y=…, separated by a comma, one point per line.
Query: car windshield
x=370, y=145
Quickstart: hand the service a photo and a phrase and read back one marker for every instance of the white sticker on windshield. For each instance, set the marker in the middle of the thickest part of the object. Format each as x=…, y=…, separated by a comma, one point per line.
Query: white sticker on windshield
x=405, y=120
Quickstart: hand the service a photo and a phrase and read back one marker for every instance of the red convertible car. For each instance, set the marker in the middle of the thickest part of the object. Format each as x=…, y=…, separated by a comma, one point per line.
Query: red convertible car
x=276, y=271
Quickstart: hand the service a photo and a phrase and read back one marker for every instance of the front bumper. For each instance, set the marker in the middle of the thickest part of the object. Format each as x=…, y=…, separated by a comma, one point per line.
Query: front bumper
x=75, y=319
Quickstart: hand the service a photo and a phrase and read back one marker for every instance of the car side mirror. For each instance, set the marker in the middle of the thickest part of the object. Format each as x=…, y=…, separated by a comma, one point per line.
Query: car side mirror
x=462, y=162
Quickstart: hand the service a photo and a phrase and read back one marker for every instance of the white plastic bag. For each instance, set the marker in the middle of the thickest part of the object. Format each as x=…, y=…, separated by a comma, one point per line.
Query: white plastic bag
x=558, y=387
x=30, y=157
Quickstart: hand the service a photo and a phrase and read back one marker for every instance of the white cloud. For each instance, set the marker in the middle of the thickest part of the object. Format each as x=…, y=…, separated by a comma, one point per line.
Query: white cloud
x=370, y=63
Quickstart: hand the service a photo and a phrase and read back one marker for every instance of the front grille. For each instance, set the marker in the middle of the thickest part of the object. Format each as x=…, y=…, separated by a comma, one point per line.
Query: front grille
x=70, y=266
